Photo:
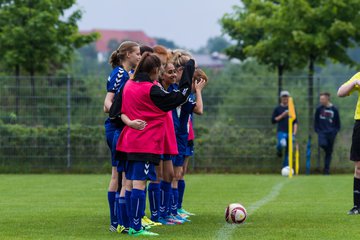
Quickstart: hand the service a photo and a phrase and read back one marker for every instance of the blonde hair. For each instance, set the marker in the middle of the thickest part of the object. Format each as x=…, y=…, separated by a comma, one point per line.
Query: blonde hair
x=180, y=57
x=119, y=54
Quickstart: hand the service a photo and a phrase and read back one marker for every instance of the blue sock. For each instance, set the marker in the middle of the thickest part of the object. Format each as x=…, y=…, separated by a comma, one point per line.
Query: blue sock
x=117, y=208
x=128, y=205
x=165, y=190
x=123, y=212
x=181, y=190
x=111, y=200
x=174, y=201
x=154, y=200
x=137, y=208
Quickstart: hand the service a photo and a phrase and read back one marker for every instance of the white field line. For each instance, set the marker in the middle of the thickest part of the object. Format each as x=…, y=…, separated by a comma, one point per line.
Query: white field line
x=226, y=231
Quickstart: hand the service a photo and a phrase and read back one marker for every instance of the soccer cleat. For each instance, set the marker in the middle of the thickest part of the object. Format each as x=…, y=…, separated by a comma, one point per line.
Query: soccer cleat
x=354, y=211
x=112, y=228
x=122, y=229
x=141, y=232
x=173, y=219
x=184, y=216
x=183, y=211
x=164, y=221
x=178, y=217
x=147, y=221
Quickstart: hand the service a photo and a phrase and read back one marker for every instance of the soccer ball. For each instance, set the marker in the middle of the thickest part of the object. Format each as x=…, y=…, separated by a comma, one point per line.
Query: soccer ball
x=235, y=213
x=286, y=170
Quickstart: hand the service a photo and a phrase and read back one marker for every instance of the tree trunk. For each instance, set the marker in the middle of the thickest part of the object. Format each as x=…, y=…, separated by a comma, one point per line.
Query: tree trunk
x=17, y=79
x=280, y=80
x=311, y=93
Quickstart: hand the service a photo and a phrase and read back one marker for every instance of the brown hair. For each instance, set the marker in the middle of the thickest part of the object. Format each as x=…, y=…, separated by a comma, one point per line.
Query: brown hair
x=180, y=57
x=325, y=94
x=119, y=54
x=148, y=63
x=199, y=73
x=145, y=48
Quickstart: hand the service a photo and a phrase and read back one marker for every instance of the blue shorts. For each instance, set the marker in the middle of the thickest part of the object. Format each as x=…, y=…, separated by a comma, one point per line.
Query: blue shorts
x=166, y=157
x=189, y=151
x=140, y=171
x=121, y=166
x=109, y=133
x=178, y=160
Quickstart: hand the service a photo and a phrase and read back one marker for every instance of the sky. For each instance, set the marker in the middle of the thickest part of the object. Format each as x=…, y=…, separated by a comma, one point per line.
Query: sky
x=189, y=23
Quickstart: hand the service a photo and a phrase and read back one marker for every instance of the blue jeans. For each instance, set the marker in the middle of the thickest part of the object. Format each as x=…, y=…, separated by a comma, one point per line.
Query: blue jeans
x=282, y=142
x=326, y=142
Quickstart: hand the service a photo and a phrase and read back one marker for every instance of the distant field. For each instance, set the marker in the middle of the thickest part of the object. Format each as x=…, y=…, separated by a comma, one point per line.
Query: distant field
x=75, y=207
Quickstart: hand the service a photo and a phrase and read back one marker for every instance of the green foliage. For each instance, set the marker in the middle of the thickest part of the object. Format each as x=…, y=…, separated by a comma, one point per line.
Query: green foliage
x=34, y=35
x=39, y=149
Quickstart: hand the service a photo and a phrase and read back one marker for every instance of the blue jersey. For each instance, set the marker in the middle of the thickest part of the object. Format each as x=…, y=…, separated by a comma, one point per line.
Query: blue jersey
x=181, y=118
x=117, y=79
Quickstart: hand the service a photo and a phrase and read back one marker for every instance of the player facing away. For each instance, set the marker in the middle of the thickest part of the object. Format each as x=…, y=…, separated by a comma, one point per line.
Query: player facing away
x=199, y=82
x=122, y=60
x=280, y=117
x=327, y=125
x=154, y=186
x=144, y=99
x=348, y=88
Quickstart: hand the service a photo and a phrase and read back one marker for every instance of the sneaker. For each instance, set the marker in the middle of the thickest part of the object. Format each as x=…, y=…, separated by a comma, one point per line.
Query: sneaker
x=141, y=232
x=354, y=211
x=183, y=211
x=178, y=217
x=173, y=219
x=112, y=228
x=164, y=221
x=147, y=221
x=122, y=229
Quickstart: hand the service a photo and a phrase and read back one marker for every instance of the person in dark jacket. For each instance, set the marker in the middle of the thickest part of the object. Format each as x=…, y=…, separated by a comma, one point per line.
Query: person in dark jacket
x=327, y=125
x=280, y=117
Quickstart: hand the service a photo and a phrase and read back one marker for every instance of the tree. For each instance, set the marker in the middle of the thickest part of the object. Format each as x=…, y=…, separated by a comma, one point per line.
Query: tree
x=260, y=32
x=217, y=44
x=35, y=37
x=322, y=29
x=292, y=33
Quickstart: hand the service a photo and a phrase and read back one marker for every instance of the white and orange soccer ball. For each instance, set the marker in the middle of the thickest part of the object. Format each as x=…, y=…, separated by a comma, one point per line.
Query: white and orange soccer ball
x=235, y=213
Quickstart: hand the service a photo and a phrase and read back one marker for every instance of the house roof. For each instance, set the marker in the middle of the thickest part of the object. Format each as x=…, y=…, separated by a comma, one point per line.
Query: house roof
x=119, y=35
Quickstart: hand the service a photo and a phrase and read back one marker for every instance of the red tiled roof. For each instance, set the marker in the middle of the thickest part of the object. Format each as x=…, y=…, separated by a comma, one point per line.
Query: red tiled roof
x=119, y=35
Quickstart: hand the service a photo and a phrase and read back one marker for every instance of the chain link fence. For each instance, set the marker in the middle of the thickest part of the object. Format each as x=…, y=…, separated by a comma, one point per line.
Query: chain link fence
x=55, y=124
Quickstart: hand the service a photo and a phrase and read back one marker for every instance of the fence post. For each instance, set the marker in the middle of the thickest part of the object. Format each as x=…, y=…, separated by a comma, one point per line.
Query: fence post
x=68, y=121
x=318, y=147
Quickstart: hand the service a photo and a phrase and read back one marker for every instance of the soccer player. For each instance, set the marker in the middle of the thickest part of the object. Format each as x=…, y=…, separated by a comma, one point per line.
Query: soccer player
x=327, y=125
x=199, y=82
x=280, y=117
x=122, y=60
x=345, y=90
x=168, y=77
x=142, y=98
x=154, y=186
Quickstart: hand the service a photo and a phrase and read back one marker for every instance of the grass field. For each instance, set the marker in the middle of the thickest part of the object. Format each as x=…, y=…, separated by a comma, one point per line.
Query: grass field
x=75, y=207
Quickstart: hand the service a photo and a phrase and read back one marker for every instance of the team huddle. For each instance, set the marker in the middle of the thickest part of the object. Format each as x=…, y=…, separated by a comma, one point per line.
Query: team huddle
x=152, y=94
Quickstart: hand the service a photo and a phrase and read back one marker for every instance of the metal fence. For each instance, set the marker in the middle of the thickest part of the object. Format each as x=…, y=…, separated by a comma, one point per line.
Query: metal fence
x=56, y=124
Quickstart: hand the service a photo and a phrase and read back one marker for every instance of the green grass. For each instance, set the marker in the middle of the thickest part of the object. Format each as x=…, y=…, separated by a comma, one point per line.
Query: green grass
x=75, y=207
